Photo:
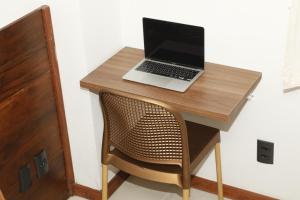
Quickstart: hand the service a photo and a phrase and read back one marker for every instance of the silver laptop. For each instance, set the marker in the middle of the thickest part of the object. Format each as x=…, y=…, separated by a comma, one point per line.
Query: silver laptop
x=174, y=55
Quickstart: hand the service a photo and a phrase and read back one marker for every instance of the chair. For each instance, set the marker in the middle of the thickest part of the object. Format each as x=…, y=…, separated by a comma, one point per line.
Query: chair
x=150, y=140
x=1, y=196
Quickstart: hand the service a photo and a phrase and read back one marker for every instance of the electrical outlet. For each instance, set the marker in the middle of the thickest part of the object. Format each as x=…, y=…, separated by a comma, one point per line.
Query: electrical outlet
x=265, y=152
x=41, y=163
x=25, y=178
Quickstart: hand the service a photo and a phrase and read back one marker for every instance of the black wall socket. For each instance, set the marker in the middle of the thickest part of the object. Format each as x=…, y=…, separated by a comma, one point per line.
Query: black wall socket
x=41, y=163
x=265, y=152
x=25, y=178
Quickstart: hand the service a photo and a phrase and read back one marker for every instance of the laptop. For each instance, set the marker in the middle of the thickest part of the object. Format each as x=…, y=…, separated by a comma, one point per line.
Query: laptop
x=174, y=55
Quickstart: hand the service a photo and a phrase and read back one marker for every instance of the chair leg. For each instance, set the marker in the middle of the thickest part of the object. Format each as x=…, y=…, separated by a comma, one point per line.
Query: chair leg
x=104, y=182
x=1, y=196
x=185, y=194
x=219, y=171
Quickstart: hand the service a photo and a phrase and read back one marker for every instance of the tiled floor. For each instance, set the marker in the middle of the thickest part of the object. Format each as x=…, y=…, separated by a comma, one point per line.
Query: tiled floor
x=138, y=189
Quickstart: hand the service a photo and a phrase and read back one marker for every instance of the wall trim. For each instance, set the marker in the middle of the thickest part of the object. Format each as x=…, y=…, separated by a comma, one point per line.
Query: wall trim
x=229, y=191
x=86, y=192
x=93, y=194
x=197, y=183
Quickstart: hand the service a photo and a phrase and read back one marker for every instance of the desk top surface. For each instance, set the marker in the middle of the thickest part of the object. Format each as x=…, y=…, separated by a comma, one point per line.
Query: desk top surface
x=218, y=94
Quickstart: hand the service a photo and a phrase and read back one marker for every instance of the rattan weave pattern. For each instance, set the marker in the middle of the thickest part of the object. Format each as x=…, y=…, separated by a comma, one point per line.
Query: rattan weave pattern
x=142, y=130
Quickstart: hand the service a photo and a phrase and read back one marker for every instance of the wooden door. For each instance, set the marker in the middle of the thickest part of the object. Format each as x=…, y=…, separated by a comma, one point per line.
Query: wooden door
x=31, y=110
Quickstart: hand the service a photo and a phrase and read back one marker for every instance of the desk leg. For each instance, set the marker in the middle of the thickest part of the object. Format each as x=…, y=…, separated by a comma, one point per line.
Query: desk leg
x=219, y=171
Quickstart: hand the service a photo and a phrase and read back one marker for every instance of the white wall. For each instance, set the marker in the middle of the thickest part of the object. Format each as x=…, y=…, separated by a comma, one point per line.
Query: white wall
x=102, y=39
x=77, y=54
x=252, y=35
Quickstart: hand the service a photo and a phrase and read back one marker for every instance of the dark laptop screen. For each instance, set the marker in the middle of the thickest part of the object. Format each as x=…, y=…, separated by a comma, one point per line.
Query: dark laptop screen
x=174, y=43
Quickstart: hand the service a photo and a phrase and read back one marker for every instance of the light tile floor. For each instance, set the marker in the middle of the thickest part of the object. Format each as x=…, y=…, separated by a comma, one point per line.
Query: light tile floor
x=138, y=189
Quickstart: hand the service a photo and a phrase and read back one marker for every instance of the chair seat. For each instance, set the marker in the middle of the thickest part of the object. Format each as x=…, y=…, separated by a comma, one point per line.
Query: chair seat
x=202, y=140
x=156, y=172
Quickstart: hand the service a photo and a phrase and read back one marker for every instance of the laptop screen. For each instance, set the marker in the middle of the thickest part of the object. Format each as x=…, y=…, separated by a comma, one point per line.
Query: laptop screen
x=175, y=43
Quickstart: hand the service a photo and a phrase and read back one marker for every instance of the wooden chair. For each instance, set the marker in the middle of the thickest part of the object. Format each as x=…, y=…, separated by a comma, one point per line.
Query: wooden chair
x=149, y=139
x=1, y=196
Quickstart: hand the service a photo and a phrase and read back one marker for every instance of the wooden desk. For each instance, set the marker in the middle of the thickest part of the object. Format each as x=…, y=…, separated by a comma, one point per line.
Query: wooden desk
x=218, y=94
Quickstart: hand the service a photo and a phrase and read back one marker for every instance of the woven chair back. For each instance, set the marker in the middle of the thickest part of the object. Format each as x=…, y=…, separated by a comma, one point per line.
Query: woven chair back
x=142, y=130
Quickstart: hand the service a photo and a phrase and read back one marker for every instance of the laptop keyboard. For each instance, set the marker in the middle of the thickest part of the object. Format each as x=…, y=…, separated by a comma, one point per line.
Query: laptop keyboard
x=167, y=70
